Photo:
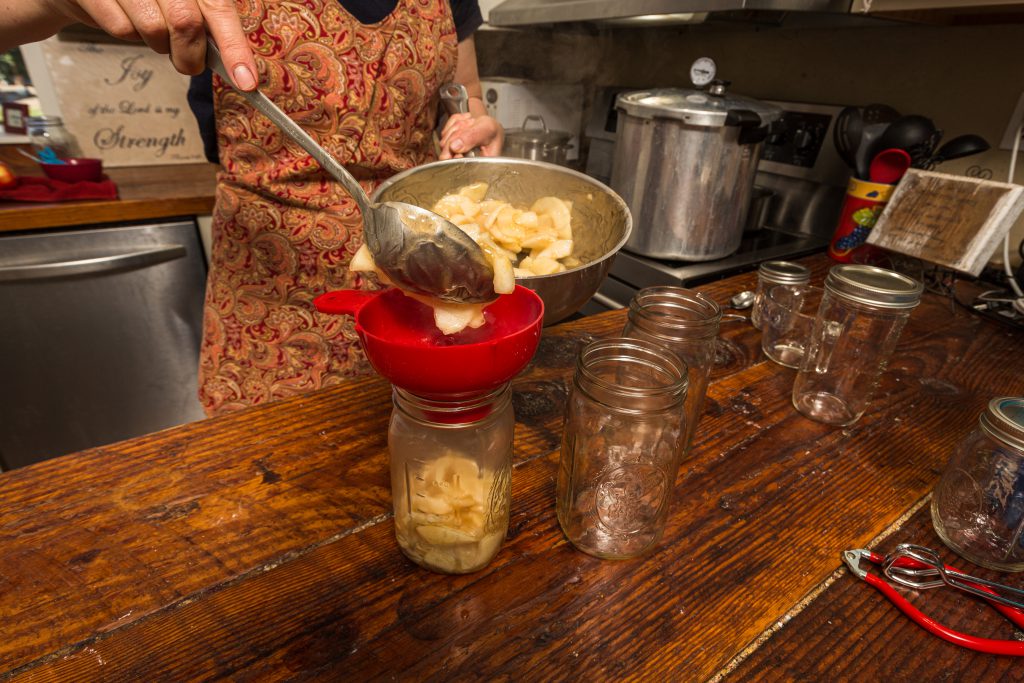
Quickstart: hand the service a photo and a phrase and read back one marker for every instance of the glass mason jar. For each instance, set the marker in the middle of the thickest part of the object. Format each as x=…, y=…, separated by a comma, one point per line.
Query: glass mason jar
x=620, y=447
x=769, y=274
x=862, y=313
x=686, y=322
x=48, y=132
x=978, y=505
x=451, y=473
x=789, y=315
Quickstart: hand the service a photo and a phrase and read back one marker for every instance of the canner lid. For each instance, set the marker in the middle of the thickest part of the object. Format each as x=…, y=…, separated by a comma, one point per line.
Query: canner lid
x=694, y=107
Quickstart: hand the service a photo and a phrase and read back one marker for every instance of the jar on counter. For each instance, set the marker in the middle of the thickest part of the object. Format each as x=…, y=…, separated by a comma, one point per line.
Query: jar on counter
x=620, y=447
x=978, y=505
x=769, y=274
x=451, y=468
x=49, y=133
x=685, y=322
x=856, y=329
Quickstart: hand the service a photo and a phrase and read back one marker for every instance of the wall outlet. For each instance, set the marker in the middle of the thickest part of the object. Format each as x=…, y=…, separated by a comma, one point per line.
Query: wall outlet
x=1015, y=121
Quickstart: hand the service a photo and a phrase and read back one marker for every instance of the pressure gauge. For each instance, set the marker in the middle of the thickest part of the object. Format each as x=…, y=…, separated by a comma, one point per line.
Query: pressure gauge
x=703, y=71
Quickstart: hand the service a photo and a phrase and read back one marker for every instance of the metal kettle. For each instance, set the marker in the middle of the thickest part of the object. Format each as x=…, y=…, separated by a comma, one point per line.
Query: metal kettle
x=685, y=162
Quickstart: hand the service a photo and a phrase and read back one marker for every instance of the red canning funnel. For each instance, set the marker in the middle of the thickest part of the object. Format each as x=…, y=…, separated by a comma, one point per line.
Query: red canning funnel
x=405, y=347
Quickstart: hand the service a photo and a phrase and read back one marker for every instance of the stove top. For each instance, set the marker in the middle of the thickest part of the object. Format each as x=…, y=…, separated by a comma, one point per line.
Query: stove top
x=631, y=272
x=758, y=246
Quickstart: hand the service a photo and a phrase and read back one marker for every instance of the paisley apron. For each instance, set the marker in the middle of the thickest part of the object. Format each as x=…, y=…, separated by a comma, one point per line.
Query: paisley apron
x=283, y=231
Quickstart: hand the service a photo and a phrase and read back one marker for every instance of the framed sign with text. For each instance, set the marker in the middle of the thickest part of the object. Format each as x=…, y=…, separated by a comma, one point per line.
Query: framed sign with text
x=15, y=117
x=124, y=103
x=949, y=220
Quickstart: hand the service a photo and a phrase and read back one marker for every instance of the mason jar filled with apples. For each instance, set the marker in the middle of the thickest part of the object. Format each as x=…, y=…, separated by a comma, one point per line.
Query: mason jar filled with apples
x=451, y=469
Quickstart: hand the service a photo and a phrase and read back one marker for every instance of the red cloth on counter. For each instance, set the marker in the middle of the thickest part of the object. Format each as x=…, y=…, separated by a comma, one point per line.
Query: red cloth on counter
x=33, y=189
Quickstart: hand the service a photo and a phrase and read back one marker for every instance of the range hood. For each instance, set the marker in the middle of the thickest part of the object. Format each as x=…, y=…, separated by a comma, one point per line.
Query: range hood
x=528, y=12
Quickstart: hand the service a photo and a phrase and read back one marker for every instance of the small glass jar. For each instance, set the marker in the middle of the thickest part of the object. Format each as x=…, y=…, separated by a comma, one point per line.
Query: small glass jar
x=978, y=505
x=620, y=447
x=451, y=473
x=686, y=322
x=769, y=274
x=856, y=329
x=49, y=133
x=789, y=315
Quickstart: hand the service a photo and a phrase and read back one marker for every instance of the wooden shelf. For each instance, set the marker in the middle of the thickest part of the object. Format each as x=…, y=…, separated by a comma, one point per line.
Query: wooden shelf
x=145, y=192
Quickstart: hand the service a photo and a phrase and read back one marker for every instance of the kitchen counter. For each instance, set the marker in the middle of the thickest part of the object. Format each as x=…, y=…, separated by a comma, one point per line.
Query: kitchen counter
x=145, y=192
x=260, y=545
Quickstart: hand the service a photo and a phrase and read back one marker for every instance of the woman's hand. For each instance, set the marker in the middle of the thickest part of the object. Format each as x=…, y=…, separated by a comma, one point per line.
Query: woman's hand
x=172, y=27
x=463, y=132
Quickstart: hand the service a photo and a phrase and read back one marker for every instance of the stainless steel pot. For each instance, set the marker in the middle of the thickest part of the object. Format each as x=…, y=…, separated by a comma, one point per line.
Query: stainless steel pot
x=685, y=162
x=537, y=144
x=600, y=219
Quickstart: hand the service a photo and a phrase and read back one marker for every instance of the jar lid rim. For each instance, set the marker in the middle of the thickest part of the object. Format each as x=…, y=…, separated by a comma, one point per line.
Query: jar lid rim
x=784, y=270
x=1004, y=419
x=875, y=286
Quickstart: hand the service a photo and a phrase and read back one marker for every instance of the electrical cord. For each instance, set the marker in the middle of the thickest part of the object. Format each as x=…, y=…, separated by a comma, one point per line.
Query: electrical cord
x=1018, y=302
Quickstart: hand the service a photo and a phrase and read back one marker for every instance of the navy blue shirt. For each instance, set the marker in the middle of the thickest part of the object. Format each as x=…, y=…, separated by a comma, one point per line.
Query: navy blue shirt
x=466, y=14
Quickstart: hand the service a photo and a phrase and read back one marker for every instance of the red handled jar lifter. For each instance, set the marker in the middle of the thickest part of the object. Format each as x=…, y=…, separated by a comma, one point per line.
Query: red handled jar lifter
x=917, y=567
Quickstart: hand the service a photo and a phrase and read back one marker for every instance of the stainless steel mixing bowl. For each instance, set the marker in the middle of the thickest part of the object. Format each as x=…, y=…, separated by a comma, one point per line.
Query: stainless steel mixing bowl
x=601, y=221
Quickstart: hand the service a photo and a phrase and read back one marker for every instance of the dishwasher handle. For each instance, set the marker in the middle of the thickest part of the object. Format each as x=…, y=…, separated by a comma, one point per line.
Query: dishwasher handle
x=90, y=266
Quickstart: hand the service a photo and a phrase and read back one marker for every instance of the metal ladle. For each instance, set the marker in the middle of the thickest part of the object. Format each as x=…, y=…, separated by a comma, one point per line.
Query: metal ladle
x=742, y=300
x=456, y=101
x=416, y=249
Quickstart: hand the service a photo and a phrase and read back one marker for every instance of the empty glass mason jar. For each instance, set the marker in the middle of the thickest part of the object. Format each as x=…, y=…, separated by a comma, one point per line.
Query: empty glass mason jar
x=789, y=314
x=451, y=468
x=49, y=133
x=686, y=322
x=769, y=274
x=620, y=447
x=862, y=313
x=978, y=505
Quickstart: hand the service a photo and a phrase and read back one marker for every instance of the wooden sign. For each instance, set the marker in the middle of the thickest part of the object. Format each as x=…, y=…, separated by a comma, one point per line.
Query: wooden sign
x=124, y=103
x=949, y=220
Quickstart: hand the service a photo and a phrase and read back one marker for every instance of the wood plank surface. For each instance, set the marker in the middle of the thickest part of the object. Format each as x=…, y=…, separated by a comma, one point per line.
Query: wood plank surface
x=260, y=546
x=145, y=193
x=851, y=631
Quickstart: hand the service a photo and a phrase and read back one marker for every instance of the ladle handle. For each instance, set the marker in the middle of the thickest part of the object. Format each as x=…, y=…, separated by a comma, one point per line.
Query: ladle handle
x=343, y=301
x=456, y=101
x=266, y=106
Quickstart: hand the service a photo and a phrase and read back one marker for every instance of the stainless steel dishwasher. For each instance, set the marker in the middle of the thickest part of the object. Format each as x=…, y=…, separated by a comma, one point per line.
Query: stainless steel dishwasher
x=99, y=336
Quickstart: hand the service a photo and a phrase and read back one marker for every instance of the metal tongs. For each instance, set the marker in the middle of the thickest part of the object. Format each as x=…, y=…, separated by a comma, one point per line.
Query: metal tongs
x=917, y=567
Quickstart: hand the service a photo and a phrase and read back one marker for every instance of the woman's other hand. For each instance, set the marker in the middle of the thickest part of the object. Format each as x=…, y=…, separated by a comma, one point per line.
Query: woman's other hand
x=178, y=28
x=463, y=132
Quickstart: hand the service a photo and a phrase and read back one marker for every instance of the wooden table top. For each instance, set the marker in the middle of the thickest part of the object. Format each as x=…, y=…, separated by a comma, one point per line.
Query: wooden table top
x=144, y=193
x=260, y=545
